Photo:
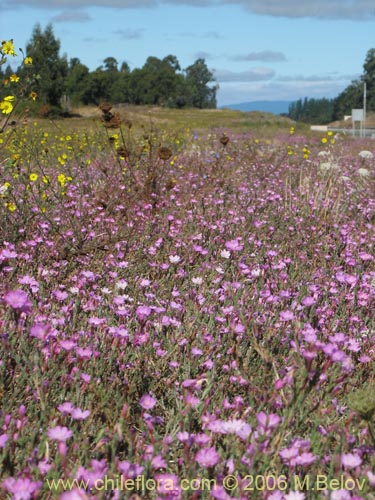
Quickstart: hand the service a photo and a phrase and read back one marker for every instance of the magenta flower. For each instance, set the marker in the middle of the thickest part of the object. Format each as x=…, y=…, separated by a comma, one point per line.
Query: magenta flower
x=59, y=433
x=168, y=486
x=3, y=440
x=158, y=462
x=295, y=495
x=147, y=402
x=286, y=316
x=39, y=331
x=306, y=459
x=350, y=461
x=308, y=301
x=18, y=300
x=66, y=408
x=79, y=414
x=207, y=457
x=143, y=312
x=234, y=245
x=270, y=421
x=22, y=488
x=74, y=495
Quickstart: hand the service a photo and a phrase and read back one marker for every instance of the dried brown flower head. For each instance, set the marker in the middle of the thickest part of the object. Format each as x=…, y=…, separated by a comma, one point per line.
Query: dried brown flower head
x=111, y=120
x=164, y=153
x=123, y=152
x=170, y=184
x=224, y=139
x=105, y=107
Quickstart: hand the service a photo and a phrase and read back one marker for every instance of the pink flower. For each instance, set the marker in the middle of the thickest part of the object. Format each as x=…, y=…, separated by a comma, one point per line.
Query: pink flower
x=286, y=316
x=3, y=440
x=147, y=402
x=74, y=495
x=18, y=300
x=207, y=457
x=308, y=301
x=79, y=414
x=158, y=462
x=168, y=486
x=59, y=433
x=295, y=495
x=143, y=312
x=350, y=461
x=234, y=245
x=21, y=488
x=39, y=331
x=66, y=408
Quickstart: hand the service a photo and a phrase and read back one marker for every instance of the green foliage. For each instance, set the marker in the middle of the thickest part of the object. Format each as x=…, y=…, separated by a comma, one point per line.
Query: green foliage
x=159, y=82
x=311, y=110
x=326, y=110
x=198, y=76
x=50, y=68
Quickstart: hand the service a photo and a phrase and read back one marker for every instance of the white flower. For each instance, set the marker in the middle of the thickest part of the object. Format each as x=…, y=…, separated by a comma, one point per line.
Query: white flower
x=363, y=172
x=197, y=281
x=3, y=189
x=327, y=166
x=366, y=154
x=225, y=254
x=255, y=273
x=122, y=284
x=174, y=259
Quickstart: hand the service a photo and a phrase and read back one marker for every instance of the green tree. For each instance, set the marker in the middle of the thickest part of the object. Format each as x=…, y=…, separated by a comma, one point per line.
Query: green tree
x=52, y=69
x=77, y=81
x=351, y=97
x=369, y=78
x=198, y=78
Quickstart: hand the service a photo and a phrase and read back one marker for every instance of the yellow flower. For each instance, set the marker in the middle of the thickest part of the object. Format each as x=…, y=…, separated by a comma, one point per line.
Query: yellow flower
x=11, y=207
x=8, y=48
x=291, y=131
x=330, y=133
x=333, y=141
x=6, y=107
x=324, y=140
x=33, y=177
x=33, y=96
x=28, y=60
x=14, y=78
x=46, y=179
x=61, y=179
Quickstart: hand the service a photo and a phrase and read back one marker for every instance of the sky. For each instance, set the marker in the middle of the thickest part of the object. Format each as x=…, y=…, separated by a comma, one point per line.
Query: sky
x=256, y=49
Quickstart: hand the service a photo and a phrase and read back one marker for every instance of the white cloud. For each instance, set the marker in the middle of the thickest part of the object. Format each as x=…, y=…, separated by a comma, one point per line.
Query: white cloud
x=322, y=9
x=71, y=16
x=251, y=75
x=129, y=34
x=264, y=56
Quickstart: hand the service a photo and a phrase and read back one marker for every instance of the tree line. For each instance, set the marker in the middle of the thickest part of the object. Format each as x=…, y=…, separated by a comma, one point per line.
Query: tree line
x=159, y=82
x=328, y=110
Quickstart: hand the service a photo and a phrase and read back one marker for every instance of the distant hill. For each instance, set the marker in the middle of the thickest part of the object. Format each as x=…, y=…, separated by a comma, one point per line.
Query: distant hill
x=275, y=107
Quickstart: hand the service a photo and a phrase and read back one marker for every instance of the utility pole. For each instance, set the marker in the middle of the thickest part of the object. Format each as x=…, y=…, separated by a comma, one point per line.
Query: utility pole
x=364, y=108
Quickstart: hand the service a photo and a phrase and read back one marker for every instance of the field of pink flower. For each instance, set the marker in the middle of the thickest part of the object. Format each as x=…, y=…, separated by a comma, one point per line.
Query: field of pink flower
x=191, y=321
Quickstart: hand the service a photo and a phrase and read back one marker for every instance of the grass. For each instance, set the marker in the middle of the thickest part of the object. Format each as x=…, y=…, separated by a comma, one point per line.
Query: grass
x=196, y=318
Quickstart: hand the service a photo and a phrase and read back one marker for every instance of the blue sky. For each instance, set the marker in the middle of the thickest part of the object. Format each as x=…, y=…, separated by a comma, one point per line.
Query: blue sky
x=258, y=49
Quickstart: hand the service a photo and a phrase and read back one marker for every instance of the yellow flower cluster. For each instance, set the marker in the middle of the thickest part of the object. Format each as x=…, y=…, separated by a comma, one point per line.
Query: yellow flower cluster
x=7, y=49
x=6, y=105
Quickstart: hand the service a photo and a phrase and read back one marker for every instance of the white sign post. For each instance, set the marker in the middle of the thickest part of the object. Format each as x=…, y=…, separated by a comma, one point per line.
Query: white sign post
x=358, y=116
